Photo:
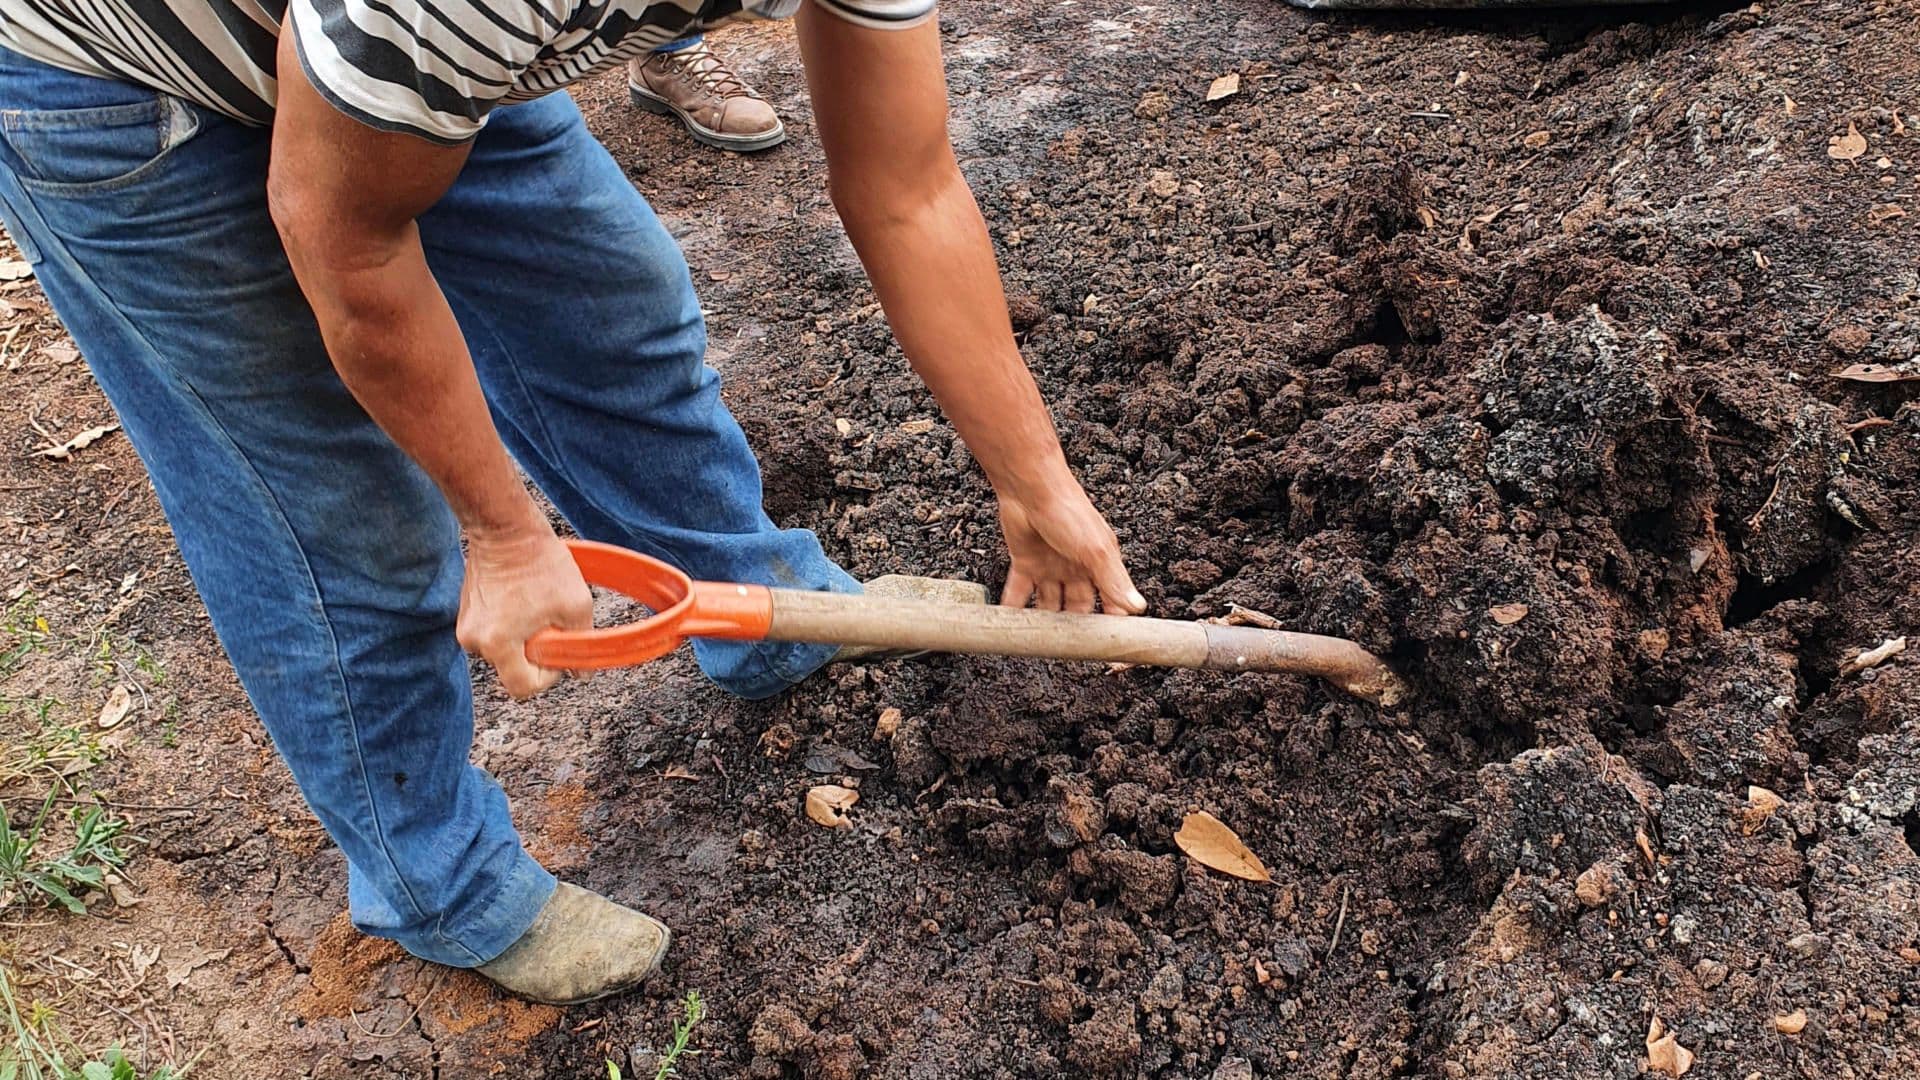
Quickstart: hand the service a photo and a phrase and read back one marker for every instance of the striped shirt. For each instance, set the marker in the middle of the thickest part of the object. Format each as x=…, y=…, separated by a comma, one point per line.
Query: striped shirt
x=432, y=68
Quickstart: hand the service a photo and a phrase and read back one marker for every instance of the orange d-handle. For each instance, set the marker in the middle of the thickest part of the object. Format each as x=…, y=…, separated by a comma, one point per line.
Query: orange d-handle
x=682, y=608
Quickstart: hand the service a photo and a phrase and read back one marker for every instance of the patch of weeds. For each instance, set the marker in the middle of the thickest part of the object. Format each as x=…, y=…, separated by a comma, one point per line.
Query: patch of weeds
x=36, y=1048
x=694, y=1010
x=22, y=630
x=61, y=749
x=63, y=878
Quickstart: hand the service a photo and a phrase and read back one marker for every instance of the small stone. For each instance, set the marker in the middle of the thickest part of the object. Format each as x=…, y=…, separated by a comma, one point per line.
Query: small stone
x=1792, y=1023
x=1709, y=973
x=1595, y=885
x=1163, y=183
x=1682, y=928
x=1234, y=1068
x=1808, y=946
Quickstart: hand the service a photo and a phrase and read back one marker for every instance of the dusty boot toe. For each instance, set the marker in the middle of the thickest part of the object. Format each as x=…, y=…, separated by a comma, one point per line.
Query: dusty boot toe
x=581, y=946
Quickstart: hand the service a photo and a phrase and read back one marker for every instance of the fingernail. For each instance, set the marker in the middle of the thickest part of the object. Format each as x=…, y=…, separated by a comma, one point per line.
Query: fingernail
x=1138, y=600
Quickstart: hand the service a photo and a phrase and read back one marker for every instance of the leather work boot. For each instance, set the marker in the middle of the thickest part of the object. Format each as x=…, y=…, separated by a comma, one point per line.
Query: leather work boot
x=715, y=105
x=907, y=587
x=582, y=946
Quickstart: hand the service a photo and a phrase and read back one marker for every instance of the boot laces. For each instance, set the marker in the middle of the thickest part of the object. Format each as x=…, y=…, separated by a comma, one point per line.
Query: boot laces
x=699, y=64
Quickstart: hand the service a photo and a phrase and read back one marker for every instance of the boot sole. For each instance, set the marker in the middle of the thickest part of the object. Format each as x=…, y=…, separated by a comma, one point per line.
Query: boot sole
x=740, y=144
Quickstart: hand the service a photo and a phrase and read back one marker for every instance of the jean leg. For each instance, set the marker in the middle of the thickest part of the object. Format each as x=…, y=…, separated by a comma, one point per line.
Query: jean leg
x=589, y=340
x=682, y=43
x=327, y=560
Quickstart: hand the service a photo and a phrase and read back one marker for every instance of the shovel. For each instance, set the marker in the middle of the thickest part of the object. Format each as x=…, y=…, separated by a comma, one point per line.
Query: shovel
x=684, y=608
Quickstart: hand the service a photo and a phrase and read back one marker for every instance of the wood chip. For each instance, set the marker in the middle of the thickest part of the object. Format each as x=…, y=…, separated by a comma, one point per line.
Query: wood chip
x=1664, y=1052
x=79, y=442
x=15, y=269
x=1875, y=656
x=1508, y=614
x=1224, y=87
x=1213, y=845
x=917, y=427
x=827, y=805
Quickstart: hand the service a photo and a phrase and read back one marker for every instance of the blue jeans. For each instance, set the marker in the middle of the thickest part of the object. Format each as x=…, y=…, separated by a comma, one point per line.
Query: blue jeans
x=329, y=562
x=680, y=43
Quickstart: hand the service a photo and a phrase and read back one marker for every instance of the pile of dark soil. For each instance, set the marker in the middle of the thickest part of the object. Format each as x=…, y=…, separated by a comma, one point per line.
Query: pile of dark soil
x=1432, y=318
x=1502, y=345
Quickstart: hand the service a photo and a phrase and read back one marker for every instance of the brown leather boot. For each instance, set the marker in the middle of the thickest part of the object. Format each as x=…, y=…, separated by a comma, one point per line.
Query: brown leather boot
x=717, y=107
x=582, y=946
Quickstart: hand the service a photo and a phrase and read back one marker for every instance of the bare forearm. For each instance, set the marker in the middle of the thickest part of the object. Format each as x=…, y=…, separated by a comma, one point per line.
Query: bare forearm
x=933, y=267
x=397, y=347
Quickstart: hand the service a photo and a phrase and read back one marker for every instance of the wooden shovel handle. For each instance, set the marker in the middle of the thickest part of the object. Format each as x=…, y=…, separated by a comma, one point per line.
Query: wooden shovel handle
x=890, y=623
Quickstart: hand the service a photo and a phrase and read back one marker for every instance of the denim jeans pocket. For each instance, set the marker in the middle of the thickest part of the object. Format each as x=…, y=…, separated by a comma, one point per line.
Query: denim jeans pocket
x=73, y=152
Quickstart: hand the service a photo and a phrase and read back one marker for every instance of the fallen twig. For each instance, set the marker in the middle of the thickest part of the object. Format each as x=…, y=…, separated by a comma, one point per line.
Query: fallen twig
x=1339, y=924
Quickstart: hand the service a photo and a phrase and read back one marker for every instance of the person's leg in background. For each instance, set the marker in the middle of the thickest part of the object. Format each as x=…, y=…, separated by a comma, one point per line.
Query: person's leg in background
x=328, y=561
x=686, y=79
x=589, y=340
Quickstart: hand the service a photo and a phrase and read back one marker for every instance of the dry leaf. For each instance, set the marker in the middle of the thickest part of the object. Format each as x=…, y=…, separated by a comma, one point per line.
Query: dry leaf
x=1761, y=804
x=141, y=959
x=119, y=704
x=1260, y=972
x=888, y=723
x=1428, y=219
x=1664, y=1052
x=678, y=772
x=1875, y=656
x=917, y=427
x=1884, y=213
x=15, y=269
x=827, y=804
x=1875, y=373
x=177, y=972
x=78, y=442
x=1847, y=147
x=1215, y=846
x=1224, y=87
x=1645, y=845
x=1508, y=614
x=1792, y=106
x=1792, y=1023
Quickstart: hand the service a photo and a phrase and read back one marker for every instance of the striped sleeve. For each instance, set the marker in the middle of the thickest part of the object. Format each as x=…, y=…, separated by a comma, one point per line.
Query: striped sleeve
x=881, y=14
x=431, y=68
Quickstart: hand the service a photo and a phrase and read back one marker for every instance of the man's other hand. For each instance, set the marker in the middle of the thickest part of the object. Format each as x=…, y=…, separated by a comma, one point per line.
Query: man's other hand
x=1064, y=555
